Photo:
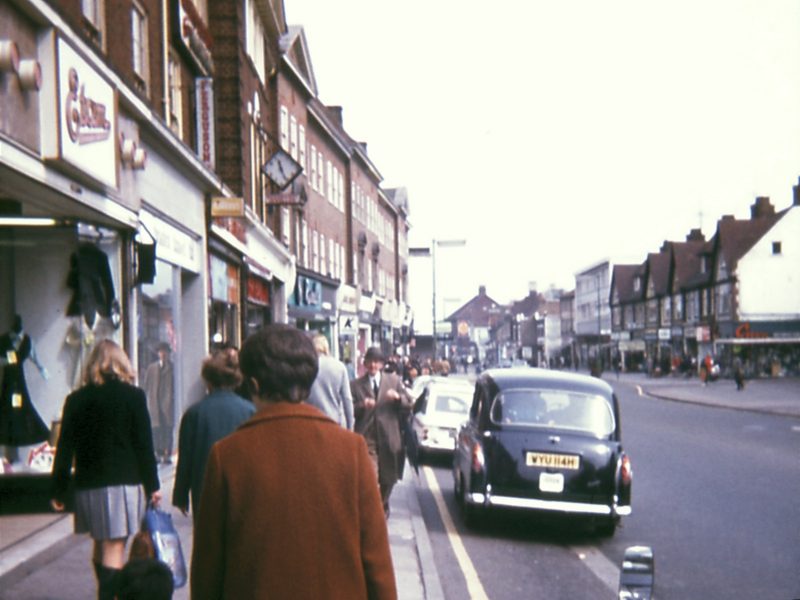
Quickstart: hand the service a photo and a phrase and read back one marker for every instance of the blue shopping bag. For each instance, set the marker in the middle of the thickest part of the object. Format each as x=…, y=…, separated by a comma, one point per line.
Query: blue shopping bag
x=166, y=543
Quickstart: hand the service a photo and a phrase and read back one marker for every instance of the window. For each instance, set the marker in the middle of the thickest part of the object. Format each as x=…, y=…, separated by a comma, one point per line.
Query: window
x=286, y=227
x=139, y=45
x=320, y=172
x=305, y=243
x=313, y=175
x=174, y=100
x=93, y=12
x=301, y=142
x=284, y=125
x=254, y=38
x=293, y=137
x=776, y=247
x=323, y=262
x=315, y=250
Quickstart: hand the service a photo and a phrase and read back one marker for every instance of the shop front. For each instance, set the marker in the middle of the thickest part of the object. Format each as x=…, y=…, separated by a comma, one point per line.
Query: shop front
x=764, y=348
x=312, y=306
x=65, y=251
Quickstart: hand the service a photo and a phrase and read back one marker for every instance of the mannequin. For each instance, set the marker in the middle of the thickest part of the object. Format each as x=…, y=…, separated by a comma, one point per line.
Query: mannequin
x=20, y=424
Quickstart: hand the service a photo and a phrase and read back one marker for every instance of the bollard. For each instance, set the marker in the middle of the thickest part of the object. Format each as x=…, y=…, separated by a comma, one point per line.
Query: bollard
x=637, y=577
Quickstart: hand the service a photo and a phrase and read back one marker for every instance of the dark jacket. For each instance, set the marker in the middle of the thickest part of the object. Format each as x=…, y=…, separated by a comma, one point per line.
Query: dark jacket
x=291, y=509
x=106, y=429
x=214, y=417
x=381, y=425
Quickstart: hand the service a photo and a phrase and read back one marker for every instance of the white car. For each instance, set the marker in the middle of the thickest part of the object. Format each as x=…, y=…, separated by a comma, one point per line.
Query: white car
x=439, y=411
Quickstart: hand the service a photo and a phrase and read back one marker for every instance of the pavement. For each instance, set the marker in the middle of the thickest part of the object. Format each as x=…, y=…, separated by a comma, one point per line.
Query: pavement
x=41, y=559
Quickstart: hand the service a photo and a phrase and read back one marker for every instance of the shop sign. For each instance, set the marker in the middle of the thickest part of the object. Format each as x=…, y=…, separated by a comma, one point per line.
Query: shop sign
x=87, y=117
x=204, y=101
x=462, y=329
x=173, y=245
x=194, y=35
x=222, y=206
x=348, y=325
x=703, y=333
x=258, y=291
x=664, y=334
x=347, y=299
x=388, y=311
x=744, y=331
x=366, y=304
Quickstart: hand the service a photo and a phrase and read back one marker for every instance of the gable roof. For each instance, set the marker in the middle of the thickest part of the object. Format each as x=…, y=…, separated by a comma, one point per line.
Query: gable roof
x=658, y=271
x=735, y=237
x=294, y=50
x=480, y=311
x=622, y=281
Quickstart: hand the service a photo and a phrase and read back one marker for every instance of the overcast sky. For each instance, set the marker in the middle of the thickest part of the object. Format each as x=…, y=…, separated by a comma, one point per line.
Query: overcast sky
x=551, y=135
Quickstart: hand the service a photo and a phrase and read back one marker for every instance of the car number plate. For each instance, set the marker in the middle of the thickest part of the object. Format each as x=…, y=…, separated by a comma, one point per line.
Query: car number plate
x=551, y=482
x=553, y=461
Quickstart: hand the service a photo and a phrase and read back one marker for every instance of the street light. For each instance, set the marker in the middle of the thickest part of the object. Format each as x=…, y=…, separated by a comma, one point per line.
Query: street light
x=431, y=251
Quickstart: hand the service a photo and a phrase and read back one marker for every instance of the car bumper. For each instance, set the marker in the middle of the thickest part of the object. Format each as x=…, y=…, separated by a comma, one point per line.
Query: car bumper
x=559, y=506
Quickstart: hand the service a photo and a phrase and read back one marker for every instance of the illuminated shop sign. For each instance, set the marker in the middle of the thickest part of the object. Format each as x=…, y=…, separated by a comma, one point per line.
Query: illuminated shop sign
x=87, y=121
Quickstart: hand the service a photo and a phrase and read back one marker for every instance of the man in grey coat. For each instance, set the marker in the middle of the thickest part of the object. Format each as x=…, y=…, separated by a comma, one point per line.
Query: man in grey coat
x=330, y=391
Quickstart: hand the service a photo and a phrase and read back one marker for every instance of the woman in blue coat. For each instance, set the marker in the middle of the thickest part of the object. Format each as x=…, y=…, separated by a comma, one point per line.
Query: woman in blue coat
x=214, y=417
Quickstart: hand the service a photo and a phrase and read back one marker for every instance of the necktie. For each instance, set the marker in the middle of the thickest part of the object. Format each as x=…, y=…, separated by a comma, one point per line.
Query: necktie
x=375, y=388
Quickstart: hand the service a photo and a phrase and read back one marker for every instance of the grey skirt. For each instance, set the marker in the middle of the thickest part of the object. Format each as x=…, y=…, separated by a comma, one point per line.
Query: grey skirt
x=109, y=513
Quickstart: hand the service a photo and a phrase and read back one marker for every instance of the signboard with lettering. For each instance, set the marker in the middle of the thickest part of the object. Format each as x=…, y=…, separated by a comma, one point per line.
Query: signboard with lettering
x=204, y=102
x=87, y=116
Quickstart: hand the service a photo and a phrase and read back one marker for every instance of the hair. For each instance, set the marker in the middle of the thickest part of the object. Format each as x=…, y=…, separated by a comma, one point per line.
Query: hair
x=221, y=369
x=282, y=362
x=108, y=361
x=321, y=344
x=145, y=579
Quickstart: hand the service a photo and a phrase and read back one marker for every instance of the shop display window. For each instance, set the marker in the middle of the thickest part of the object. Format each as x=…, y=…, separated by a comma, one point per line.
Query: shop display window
x=59, y=295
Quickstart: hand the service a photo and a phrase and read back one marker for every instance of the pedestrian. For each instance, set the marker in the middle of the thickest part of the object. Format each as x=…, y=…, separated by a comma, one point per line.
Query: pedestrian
x=290, y=505
x=145, y=579
x=331, y=389
x=738, y=374
x=105, y=429
x=381, y=404
x=217, y=415
x=159, y=385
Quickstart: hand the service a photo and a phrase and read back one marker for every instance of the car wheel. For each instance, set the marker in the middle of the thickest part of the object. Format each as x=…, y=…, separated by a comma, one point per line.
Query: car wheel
x=606, y=527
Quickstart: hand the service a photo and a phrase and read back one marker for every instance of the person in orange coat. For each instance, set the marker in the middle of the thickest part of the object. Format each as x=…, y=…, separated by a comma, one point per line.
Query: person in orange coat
x=290, y=506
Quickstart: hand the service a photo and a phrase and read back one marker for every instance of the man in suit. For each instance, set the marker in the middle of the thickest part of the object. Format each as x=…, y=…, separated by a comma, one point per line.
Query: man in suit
x=380, y=403
x=290, y=506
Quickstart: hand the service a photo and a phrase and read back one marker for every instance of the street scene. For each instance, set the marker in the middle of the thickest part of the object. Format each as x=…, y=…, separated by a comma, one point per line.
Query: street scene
x=420, y=300
x=699, y=516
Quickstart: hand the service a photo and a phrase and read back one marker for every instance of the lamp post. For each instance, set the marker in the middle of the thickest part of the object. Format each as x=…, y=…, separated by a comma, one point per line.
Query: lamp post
x=431, y=251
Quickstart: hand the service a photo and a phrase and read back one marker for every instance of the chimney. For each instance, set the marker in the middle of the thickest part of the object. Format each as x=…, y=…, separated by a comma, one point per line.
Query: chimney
x=482, y=290
x=531, y=287
x=335, y=113
x=796, y=190
x=696, y=235
x=762, y=208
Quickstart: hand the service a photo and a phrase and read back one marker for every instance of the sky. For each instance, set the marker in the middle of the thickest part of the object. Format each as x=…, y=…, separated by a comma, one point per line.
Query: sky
x=553, y=135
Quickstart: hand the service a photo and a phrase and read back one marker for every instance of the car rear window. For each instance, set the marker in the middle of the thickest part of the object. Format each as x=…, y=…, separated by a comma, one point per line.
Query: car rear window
x=554, y=408
x=451, y=404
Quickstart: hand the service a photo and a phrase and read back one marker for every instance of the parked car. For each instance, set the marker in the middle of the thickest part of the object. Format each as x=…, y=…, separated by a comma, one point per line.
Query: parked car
x=543, y=440
x=440, y=409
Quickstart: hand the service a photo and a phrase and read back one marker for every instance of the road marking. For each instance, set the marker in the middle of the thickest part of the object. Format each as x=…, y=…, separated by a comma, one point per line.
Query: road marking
x=474, y=587
x=597, y=563
x=639, y=390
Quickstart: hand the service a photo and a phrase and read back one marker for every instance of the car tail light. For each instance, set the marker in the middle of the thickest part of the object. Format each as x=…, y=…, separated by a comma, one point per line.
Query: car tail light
x=477, y=458
x=626, y=470
x=425, y=433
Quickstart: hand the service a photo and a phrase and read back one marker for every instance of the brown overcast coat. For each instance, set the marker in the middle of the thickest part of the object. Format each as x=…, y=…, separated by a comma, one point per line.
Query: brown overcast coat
x=291, y=509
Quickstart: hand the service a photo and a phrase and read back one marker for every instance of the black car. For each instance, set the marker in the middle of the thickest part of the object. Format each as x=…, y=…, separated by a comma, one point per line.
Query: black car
x=545, y=441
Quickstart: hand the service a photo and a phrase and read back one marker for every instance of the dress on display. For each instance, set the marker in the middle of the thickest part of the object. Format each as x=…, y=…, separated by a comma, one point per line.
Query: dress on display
x=20, y=424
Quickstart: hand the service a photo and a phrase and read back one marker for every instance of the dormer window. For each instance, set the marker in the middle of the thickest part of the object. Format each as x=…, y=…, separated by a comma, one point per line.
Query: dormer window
x=776, y=248
x=637, y=284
